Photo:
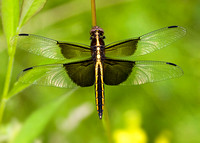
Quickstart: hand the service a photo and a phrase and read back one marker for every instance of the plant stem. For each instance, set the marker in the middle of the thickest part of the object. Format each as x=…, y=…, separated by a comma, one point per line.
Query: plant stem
x=6, y=86
x=106, y=124
x=94, y=22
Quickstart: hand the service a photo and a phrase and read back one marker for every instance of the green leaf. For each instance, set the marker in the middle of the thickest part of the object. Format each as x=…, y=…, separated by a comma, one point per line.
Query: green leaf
x=18, y=87
x=10, y=18
x=30, y=8
x=37, y=121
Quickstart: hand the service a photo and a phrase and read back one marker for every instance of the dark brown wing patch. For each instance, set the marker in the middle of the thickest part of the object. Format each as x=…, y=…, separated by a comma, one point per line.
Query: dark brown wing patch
x=70, y=50
x=81, y=73
x=122, y=48
x=117, y=71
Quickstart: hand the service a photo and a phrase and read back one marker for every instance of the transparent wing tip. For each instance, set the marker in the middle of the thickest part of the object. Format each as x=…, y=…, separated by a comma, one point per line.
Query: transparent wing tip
x=178, y=70
x=182, y=29
x=23, y=72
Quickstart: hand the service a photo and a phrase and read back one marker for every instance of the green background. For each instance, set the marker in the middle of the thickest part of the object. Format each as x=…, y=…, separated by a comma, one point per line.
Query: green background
x=162, y=112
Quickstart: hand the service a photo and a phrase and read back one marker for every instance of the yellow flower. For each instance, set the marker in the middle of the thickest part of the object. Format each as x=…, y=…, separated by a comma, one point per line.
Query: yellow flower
x=133, y=133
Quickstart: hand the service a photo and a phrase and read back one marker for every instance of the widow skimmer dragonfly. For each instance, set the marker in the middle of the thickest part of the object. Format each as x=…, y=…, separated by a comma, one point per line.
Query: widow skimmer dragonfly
x=102, y=63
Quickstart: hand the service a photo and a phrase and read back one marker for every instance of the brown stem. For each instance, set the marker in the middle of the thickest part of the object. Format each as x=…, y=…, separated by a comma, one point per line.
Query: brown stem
x=94, y=22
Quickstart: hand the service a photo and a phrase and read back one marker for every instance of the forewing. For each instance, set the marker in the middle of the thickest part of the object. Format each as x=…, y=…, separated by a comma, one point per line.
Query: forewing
x=50, y=48
x=122, y=48
x=74, y=50
x=152, y=71
x=59, y=75
x=145, y=44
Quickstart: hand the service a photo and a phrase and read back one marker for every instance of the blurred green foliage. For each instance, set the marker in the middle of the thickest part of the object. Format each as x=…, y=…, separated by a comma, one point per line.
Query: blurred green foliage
x=163, y=112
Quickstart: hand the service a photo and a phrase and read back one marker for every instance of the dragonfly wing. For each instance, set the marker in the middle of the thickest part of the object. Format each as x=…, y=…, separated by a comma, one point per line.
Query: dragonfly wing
x=82, y=73
x=60, y=75
x=116, y=71
x=50, y=48
x=152, y=71
x=138, y=72
x=145, y=44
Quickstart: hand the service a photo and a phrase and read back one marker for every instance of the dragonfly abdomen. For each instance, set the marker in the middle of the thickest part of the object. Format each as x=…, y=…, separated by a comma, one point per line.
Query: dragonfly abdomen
x=99, y=88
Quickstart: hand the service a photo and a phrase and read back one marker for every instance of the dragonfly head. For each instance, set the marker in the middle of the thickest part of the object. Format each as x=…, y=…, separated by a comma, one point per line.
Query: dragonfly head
x=96, y=30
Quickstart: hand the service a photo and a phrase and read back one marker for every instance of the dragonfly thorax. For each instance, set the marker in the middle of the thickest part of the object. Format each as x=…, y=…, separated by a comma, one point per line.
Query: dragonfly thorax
x=97, y=43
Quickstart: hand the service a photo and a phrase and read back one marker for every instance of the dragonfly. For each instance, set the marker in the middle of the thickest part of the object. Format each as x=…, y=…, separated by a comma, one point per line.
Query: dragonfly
x=98, y=64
